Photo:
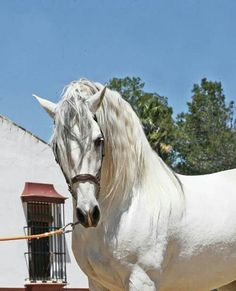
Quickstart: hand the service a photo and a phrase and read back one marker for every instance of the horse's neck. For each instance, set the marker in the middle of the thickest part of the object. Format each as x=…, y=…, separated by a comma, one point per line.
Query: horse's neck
x=152, y=178
x=130, y=165
x=122, y=132
x=156, y=193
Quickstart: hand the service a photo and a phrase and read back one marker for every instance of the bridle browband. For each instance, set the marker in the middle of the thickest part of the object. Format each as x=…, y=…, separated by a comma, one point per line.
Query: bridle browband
x=82, y=178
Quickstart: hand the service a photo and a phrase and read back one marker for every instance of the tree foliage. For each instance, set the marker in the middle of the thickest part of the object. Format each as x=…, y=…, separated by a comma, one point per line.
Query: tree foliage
x=152, y=109
x=131, y=89
x=205, y=135
x=201, y=141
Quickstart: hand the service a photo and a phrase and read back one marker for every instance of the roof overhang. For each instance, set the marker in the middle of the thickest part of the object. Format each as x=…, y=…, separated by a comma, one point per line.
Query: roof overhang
x=40, y=192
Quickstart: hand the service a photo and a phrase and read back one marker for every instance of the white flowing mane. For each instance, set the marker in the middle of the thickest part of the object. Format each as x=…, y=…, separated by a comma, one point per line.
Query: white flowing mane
x=129, y=158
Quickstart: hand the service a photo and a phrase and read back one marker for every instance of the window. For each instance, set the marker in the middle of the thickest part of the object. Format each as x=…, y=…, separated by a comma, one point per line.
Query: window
x=46, y=257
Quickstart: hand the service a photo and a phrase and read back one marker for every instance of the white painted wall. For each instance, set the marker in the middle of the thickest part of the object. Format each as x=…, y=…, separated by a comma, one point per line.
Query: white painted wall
x=24, y=158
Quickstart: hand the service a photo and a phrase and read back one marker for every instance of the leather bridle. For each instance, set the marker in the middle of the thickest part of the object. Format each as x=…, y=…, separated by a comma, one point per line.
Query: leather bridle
x=82, y=178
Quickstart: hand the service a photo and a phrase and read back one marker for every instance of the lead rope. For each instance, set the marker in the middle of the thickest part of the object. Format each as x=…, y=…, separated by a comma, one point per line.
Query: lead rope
x=66, y=229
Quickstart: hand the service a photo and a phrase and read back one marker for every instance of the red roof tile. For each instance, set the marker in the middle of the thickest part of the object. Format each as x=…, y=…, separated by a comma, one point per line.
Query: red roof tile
x=42, y=193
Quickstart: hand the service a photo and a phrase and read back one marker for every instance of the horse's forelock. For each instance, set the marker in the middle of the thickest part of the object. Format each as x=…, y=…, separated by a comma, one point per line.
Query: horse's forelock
x=81, y=89
x=72, y=110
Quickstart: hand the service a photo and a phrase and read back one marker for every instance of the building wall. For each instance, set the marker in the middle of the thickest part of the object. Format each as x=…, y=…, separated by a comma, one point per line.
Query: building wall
x=25, y=158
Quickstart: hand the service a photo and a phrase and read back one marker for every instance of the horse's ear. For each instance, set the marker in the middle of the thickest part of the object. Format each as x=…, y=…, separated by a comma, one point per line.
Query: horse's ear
x=95, y=101
x=99, y=85
x=49, y=106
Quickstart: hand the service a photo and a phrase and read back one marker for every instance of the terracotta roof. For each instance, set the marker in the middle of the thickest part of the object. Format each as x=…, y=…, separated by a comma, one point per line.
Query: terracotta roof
x=41, y=193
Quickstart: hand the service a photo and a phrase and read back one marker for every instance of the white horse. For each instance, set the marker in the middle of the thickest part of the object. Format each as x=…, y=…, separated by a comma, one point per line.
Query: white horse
x=142, y=227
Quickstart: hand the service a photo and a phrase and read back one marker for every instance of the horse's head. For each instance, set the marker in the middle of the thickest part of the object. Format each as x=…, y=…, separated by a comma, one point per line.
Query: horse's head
x=78, y=146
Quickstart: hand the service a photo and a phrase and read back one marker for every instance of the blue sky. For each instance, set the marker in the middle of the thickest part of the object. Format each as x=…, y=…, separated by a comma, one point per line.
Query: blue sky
x=170, y=44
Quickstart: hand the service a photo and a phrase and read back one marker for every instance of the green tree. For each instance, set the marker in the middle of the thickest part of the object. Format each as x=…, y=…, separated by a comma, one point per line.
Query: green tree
x=205, y=135
x=131, y=89
x=153, y=111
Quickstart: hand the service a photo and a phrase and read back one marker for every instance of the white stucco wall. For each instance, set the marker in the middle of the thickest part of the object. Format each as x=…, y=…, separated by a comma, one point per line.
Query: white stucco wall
x=24, y=158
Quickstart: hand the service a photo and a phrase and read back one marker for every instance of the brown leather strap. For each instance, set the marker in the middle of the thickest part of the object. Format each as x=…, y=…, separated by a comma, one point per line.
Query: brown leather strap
x=85, y=178
x=82, y=178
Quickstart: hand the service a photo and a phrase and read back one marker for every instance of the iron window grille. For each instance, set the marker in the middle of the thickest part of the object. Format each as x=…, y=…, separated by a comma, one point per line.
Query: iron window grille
x=46, y=257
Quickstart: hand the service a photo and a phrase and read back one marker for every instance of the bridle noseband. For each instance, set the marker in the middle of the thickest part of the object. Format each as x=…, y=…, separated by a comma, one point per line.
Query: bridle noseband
x=82, y=178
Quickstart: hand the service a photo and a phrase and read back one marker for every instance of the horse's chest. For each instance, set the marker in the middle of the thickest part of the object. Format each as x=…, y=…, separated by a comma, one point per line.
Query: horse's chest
x=98, y=260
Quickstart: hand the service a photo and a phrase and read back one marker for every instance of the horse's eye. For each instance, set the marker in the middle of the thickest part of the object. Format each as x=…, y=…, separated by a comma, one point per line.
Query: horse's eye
x=98, y=141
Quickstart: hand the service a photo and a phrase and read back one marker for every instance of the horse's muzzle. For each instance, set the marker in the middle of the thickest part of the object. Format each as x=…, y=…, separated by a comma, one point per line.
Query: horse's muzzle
x=88, y=219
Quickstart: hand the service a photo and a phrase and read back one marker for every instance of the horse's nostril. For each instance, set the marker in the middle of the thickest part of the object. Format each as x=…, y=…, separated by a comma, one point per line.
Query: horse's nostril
x=95, y=214
x=88, y=219
x=80, y=216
